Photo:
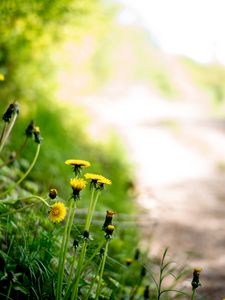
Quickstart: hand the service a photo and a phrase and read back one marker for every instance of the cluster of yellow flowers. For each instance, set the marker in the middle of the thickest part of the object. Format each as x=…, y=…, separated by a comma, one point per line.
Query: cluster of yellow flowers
x=57, y=211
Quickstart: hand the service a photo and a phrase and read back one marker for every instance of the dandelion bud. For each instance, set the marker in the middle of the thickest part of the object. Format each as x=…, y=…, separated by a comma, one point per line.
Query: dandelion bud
x=109, y=231
x=128, y=261
x=195, y=281
x=102, y=251
x=137, y=254
x=108, y=219
x=12, y=109
x=30, y=129
x=75, y=244
x=86, y=234
x=37, y=136
x=53, y=193
x=143, y=271
x=146, y=293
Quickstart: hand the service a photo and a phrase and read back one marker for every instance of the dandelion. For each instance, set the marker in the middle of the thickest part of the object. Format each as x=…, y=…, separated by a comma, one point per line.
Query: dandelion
x=195, y=281
x=108, y=219
x=37, y=136
x=57, y=212
x=30, y=129
x=11, y=110
x=2, y=77
x=146, y=293
x=97, y=181
x=109, y=231
x=128, y=261
x=77, y=164
x=53, y=193
x=77, y=184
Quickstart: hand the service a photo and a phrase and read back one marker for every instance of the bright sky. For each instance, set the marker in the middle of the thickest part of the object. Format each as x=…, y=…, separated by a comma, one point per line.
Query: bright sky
x=195, y=28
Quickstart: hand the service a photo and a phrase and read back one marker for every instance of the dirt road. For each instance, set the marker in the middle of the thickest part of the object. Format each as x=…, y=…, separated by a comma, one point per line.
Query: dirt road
x=178, y=149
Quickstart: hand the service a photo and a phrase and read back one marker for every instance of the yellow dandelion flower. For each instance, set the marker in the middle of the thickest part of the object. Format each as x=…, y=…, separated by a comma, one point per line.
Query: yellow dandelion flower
x=2, y=77
x=92, y=177
x=57, y=212
x=77, y=164
x=97, y=181
x=77, y=185
x=104, y=180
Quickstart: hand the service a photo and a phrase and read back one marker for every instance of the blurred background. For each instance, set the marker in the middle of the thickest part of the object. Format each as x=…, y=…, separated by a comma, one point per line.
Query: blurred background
x=137, y=87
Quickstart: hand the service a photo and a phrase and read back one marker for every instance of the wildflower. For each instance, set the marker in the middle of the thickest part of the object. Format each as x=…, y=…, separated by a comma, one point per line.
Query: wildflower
x=101, y=181
x=108, y=219
x=2, y=77
x=30, y=129
x=109, y=231
x=53, y=193
x=57, y=212
x=97, y=181
x=12, y=109
x=94, y=179
x=195, y=281
x=77, y=186
x=128, y=261
x=77, y=164
x=36, y=132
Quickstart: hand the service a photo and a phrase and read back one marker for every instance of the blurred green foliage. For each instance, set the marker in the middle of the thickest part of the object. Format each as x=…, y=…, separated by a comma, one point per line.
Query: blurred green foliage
x=210, y=77
x=32, y=34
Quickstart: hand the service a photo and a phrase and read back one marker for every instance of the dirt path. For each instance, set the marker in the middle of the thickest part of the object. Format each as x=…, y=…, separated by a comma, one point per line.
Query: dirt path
x=179, y=152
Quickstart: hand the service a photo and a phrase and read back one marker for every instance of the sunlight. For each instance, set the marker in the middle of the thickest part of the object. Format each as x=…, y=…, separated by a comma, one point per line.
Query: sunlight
x=192, y=28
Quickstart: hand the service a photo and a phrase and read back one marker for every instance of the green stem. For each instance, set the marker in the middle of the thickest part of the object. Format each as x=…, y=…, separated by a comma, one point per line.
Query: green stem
x=25, y=174
x=60, y=267
x=88, y=261
x=24, y=199
x=7, y=132
x=78, y=271
x=89, y=216
x=3, y=132
x=9, y=291
x=193, y=294
x=93, y=281
x=73, y=209
x=72, y=268
x=93, y=206
x=102, y=270
x=161, y=275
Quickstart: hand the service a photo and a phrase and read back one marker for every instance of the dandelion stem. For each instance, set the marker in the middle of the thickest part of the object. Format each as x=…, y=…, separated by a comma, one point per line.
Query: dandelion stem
x=7, y=132
x=93, y=281
x=73, y=209
x=102, y=269
x=61, y=266
x=9, y=291
x=79, y=269
x=25, y=174
x=3, y=132
x=89, y=213
x=72, y=268
x=193, y=294
x=91, y=209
